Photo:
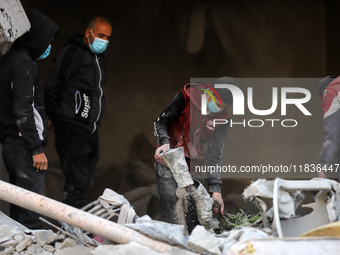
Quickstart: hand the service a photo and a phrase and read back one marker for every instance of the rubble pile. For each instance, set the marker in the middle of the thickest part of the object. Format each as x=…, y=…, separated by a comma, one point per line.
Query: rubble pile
x=144, y=236
x=16, y=240
x=22, y=241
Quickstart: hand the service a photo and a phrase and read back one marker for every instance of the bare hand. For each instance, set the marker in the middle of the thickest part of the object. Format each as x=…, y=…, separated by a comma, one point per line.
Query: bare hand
x=217, y=197
x=40, y=162
x=164, y=148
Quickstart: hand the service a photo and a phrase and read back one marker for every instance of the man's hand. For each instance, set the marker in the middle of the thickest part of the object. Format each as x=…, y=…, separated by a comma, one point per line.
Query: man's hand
x=164, y=148
x=40, y=162
x=217, y=197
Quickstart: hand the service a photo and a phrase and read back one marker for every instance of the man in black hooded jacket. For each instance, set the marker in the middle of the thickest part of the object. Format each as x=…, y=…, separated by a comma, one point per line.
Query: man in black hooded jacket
x=23, y=124
x=74, y=96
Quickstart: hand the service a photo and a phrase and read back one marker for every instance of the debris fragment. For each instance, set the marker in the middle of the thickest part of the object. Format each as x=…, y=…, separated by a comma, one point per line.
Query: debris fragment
x=201, y=241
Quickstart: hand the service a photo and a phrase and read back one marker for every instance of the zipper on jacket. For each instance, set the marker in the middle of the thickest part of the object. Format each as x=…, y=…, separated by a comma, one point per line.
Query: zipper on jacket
x=100, y=98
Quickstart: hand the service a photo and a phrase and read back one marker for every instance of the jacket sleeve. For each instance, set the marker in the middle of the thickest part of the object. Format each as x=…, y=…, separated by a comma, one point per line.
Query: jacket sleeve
x=65, y=65
x=331, y=141
x=23, y=81
x=171, y=113
x=214, y=156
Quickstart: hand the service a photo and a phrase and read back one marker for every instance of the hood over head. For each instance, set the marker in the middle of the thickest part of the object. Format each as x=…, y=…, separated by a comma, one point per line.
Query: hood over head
x=36, y=40
x=77, y=39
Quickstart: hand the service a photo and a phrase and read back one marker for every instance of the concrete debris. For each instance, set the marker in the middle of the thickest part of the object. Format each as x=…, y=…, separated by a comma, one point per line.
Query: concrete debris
x=287, y=196
x=150, y=237
x=79, y=250
x=49, y=248
x=37, y=249
x=27, y=240
x=132, y=248
x=243, y=234
x=162, y=231
x=14, y=240
x=68, y=242
x=42, y=236
x=201, y=241
x=5, y=220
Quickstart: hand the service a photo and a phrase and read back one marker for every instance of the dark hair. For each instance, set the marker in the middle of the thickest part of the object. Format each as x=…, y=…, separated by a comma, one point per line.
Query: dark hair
x=225, y=94
x=97, y=19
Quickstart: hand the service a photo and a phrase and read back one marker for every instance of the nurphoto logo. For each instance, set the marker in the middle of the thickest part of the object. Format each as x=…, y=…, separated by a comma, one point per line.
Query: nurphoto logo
x=238, y=108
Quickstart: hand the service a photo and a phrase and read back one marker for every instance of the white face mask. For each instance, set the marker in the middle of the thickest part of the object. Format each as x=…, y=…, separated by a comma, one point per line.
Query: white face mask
x=213, y=108
x=99, y=45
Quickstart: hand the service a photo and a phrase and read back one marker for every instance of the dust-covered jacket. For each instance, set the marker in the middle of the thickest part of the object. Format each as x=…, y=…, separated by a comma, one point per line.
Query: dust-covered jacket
x=331, y=119
x=182, y=124
x=22, y=112
x=74, y=91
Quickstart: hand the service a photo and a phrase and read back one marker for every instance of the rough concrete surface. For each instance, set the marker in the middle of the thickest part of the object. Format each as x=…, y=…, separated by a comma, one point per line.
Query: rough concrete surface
x=131, y=249
x=202, y=241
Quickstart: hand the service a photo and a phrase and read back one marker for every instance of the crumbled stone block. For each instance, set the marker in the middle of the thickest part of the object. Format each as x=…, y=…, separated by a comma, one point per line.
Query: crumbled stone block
x=53, y=239
x=18, y=237
x=24, y=243
x=42, y=236
x=36, y=249
x=202, y=241
x=131, y=248
x=68, y=242
x=49, y=248
x=78, y=249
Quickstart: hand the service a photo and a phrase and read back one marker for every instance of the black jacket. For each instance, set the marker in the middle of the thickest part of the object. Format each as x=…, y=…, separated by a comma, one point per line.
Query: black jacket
x=74, y=89
x=21, y=109
x=163, y=126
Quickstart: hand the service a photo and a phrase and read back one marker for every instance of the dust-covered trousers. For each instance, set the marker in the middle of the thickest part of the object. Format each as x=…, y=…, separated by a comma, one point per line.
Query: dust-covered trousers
x=19, y=164
x=170, y=209
x=78, y=155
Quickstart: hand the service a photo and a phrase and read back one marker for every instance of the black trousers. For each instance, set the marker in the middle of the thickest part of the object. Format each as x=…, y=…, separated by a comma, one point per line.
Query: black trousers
x=19, y=164
x=78, y=154
x=170, y=210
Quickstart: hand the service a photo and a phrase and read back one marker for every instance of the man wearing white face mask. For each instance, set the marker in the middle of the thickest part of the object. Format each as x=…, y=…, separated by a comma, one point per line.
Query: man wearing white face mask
x=74, y=99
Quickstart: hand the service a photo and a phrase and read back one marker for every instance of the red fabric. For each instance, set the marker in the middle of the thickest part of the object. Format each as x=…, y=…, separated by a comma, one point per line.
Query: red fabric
x=330, y=92
x=191, y=128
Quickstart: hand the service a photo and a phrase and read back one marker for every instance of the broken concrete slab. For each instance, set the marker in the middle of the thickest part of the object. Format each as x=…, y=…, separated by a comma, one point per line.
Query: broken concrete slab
x=37, y=249
x=7, y=250
x=162, y=231
x=8, y=232
x=42, y=236
x=24, y=243
x=53, y=239
x=201, y=241
x=131, y=248
x=49, y=248
x=78, y=249
x=68, y=242
x=7, y=221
